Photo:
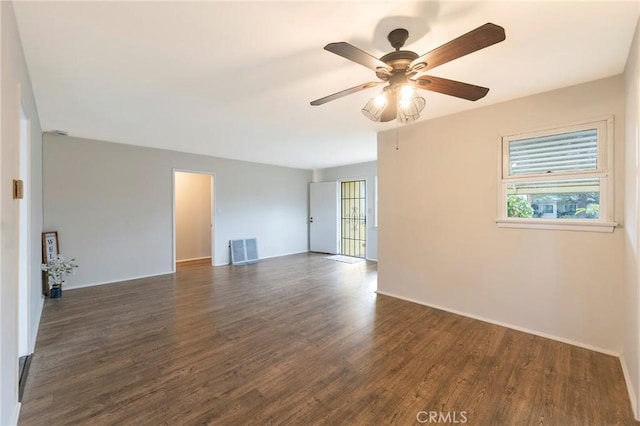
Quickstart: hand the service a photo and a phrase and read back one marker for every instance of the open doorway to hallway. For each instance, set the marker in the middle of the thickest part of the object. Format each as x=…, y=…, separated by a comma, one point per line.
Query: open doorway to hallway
x=193, y=216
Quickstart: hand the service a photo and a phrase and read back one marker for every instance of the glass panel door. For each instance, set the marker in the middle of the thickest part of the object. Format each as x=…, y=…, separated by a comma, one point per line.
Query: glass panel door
x=353, y=217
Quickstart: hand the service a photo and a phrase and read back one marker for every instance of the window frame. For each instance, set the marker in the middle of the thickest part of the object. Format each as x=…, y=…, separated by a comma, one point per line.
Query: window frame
x=604, y=172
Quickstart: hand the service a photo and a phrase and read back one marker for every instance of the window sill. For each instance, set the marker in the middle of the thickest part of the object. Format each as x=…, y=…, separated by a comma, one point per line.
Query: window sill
x=562, y=225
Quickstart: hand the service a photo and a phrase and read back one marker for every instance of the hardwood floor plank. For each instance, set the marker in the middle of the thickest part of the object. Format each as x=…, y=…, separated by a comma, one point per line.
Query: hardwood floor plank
x=298, y=340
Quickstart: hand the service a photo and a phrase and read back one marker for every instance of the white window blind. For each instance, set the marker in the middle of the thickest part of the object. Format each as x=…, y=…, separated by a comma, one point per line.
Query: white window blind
x=554, y=186
x=572, y=151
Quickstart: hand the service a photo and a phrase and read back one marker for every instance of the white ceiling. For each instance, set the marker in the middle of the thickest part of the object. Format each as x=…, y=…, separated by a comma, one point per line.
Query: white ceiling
x=234, y=79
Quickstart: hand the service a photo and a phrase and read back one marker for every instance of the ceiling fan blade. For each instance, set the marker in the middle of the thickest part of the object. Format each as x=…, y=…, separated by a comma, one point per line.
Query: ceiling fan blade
x=390, y=112
x=483, y=36
x=356, y=55
x=345, y=92
x=458, y=89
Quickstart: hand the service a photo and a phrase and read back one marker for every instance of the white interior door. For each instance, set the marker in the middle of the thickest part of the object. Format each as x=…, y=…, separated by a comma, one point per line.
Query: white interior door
x=323, y=220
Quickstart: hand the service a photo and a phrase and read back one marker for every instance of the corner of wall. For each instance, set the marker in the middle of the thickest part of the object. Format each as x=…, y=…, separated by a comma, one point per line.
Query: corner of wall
x=16, y=82
x=631, y=343
x=629, y=383
x=16, y=414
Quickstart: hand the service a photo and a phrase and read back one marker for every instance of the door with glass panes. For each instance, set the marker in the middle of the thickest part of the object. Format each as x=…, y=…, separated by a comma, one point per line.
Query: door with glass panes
x=353, y=218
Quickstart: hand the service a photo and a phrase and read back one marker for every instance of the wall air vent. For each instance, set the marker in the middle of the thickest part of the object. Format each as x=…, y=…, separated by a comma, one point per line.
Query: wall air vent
x=244, y=251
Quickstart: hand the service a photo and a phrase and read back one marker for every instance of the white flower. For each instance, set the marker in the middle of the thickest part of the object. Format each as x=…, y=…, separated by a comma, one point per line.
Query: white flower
x=57, y=269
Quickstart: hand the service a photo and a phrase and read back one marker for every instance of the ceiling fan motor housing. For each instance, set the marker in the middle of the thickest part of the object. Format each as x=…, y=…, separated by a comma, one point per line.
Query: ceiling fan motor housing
x=398, y=37
x=399, y=61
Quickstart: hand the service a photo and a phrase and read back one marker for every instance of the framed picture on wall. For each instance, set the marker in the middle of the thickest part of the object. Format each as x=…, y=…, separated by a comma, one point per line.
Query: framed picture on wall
x=50, y=251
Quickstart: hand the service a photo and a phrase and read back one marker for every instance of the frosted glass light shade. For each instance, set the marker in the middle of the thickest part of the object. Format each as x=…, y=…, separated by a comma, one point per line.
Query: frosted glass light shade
x=409, y=109
x=409, y=104
x=374, y=108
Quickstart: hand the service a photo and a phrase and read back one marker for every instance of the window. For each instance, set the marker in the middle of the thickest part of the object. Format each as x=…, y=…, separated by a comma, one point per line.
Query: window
x=559, y=178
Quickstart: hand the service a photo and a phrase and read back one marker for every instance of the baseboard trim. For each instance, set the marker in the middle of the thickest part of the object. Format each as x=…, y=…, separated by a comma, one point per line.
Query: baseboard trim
x=16, y=414
x=629, y=383
x=35, y=325
x=115, y=282
x=162, y=273
x=504, y=324
x=191, y=260
x=286, y=254
x=266, y=257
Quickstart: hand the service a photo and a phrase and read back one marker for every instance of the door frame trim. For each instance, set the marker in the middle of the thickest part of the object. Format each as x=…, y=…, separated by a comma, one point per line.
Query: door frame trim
x=173, y=211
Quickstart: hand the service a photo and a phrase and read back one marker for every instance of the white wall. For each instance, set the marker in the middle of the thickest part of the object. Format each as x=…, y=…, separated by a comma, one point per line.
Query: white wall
x=16, y=90
x=112, y=206
x=439, y=243
x=367, y=171
x=631, y=320
x=193, y=193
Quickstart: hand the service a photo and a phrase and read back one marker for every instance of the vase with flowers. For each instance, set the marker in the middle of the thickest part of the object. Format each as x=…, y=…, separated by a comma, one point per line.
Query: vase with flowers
x=57, y=269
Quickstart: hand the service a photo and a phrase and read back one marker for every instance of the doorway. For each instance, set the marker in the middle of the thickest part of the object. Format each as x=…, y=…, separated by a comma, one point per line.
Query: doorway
x=23, y=240
x=353, y=218
x=323, y=219
x=194, y=217
x=24, y=334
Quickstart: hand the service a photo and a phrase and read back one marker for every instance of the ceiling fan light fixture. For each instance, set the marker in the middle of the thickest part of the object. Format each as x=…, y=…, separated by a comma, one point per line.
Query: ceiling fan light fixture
x=404, y=119
x=409, y=109
x=380, y=99
x=374, y=107
x=406, y=96
x=406, y=91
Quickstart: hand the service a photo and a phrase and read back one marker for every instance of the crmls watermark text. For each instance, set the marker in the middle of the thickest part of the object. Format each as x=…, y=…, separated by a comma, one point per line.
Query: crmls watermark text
x=435, y=417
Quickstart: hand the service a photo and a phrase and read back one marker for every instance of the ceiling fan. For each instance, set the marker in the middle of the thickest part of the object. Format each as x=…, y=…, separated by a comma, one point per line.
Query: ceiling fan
x=403, y=70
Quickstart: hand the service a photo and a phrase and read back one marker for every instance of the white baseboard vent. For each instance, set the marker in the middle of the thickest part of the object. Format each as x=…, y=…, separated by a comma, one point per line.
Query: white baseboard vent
x=244, y=251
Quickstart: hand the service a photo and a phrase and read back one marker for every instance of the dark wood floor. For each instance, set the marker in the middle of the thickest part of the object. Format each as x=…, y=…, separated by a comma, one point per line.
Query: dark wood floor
x=299, y=340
